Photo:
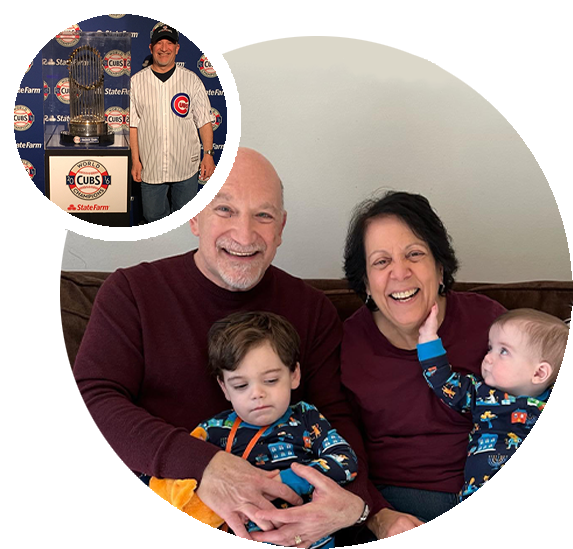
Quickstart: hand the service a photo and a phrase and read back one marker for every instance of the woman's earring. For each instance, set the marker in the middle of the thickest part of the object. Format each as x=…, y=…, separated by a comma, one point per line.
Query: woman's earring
x=441, y=289
x=370, y=303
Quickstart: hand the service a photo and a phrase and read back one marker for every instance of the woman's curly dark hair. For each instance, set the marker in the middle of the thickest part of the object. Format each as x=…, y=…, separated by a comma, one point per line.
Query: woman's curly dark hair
x=416, y=212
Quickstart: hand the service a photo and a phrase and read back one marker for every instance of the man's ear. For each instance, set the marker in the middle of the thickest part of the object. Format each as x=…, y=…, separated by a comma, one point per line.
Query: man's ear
x=224, y=388
x=295, y=377
x=194, y=223
x=542, y=373
x=283, y=223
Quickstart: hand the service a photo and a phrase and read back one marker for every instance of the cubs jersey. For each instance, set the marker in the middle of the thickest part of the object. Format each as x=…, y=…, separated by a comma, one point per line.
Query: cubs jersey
x=167, y=116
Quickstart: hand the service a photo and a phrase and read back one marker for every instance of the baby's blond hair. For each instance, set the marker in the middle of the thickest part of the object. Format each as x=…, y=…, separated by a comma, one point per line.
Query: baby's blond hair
x=547, y=335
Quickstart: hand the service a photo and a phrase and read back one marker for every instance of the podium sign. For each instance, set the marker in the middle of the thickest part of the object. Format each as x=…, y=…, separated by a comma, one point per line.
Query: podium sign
x=89, y=183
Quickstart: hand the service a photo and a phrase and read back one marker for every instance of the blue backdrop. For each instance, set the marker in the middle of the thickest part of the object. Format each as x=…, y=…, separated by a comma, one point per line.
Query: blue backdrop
x=34, y=89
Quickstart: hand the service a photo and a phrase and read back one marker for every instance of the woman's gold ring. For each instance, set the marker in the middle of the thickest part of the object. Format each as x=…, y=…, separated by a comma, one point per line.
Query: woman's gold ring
x=297, y=540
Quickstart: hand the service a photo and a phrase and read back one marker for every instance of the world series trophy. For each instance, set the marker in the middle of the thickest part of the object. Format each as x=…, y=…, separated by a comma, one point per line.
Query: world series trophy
x=87, y=119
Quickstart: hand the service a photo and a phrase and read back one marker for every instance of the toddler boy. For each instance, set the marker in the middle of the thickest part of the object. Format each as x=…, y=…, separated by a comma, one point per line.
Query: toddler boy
x=254, y=357
x=526, y=348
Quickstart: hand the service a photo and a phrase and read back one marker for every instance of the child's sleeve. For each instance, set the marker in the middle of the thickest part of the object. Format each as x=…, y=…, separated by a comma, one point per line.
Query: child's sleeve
x=333, y=456
x=454, y=389
x=181, y=492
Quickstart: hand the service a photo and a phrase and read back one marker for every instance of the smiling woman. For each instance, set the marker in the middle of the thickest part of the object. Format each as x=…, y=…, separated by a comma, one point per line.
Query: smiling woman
x=402, y=279
x=399, y=257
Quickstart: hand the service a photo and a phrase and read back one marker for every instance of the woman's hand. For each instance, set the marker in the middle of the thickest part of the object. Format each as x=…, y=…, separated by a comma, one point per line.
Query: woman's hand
x=429, y=328
x=387, y=523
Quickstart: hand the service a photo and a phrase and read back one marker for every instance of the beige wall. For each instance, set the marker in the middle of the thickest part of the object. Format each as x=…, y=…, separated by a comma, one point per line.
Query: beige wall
x=341, y=118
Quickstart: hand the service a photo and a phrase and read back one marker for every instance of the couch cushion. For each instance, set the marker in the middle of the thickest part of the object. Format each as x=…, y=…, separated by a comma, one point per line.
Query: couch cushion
x=553, y=297
x=77, y=294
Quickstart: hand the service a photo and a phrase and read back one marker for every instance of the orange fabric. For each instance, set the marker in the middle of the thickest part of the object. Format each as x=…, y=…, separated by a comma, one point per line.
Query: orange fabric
x=181, y=494
x=232, y=434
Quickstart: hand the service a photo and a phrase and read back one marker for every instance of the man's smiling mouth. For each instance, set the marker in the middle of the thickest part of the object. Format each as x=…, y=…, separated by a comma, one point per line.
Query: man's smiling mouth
x=240, y=254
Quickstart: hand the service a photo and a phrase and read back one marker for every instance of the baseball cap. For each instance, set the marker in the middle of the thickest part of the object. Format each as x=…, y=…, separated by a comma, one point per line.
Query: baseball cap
x=164, y=31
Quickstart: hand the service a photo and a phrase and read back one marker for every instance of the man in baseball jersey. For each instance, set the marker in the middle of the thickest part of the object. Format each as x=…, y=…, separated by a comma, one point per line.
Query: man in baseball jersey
x=168, y=105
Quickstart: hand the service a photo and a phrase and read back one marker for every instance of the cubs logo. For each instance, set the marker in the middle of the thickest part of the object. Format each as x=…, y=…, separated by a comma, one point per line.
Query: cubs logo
x=62, y=90
x=88, y=180
x=160, y=24
x=117, y=63
x=46, y=90
x=206, y=68
x=23, y=118
x=28, y=166
x=117, y=119
x=180, y=105
x=154, y=27
x=218, y=118
x=69, y=37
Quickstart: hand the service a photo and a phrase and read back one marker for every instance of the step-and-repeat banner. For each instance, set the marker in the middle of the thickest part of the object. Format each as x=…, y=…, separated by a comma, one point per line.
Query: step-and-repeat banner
x=29, y=115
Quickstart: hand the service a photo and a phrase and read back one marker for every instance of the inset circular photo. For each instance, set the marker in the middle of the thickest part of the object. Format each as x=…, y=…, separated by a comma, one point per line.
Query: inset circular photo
x=121, y=120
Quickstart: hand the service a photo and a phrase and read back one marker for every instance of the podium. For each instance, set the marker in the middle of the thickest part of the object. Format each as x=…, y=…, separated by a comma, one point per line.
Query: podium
x=86, y=125
x=90, y=181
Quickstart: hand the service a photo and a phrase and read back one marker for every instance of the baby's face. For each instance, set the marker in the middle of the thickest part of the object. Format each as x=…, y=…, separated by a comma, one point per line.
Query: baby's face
x=259, y=389
x=510, y=364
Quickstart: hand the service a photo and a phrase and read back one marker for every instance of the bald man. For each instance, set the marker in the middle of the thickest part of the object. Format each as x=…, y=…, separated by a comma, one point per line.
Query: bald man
x=148, y=386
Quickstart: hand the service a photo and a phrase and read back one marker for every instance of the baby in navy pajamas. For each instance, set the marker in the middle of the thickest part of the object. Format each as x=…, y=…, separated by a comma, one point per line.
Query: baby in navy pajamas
x=526, y=348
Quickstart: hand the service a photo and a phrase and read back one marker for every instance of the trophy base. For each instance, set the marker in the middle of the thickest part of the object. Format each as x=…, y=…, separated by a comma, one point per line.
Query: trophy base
x=87, y=128
x=68, y=138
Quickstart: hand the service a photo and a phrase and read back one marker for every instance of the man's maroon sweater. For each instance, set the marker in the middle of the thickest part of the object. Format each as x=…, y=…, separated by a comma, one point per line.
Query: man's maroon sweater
x=142, y=364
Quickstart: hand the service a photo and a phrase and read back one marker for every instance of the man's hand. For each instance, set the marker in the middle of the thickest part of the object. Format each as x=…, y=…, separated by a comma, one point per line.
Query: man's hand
x=387, y=523
x=136, y=168
x=236, y=490
x=331, y=509
x=207, y=167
